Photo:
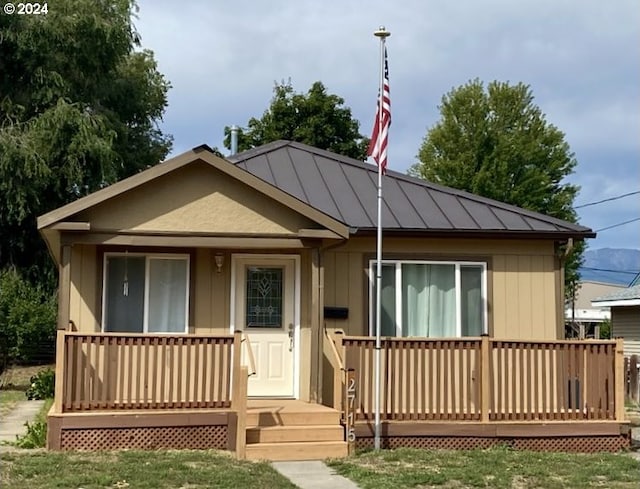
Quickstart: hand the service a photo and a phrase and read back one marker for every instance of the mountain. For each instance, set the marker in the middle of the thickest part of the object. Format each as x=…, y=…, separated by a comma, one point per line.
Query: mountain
x=611, y=265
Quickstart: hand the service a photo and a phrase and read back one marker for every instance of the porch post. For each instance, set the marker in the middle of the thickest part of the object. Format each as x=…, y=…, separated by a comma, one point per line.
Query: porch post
x=64, y=287
x=317, y=326
x=485, y=359
x=60, y=371
x=619, y=379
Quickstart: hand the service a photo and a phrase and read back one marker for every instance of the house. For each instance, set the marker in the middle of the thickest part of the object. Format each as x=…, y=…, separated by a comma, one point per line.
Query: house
x=221, y=303
x=581, y=317
x=625, y=316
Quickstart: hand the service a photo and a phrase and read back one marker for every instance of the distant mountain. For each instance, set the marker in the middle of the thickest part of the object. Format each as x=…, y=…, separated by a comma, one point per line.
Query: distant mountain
x=611, y=265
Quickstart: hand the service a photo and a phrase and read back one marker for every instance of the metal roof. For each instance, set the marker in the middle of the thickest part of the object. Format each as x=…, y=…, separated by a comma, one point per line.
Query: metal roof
x=630, y=293
x=346, y=189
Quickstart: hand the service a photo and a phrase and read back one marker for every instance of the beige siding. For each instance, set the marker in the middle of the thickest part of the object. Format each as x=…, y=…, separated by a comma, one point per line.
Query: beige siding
x=522, y=281
x=195, y=199
x=590, y=290
x=625, y=323
x=84, y=295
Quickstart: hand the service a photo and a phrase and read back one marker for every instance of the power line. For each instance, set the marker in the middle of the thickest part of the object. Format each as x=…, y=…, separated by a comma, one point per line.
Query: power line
x=607, y=200
x=618, y=225
x=609, y=270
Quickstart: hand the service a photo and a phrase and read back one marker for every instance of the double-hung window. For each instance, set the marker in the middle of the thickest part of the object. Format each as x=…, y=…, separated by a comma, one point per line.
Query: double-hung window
x=430, y=299
x=145, y=293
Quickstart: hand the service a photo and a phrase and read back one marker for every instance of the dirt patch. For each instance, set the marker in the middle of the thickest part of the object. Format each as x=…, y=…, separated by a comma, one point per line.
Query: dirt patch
x=18, y=377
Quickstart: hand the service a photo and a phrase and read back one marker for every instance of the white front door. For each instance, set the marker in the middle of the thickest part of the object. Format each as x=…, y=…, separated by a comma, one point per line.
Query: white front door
x=265, y=306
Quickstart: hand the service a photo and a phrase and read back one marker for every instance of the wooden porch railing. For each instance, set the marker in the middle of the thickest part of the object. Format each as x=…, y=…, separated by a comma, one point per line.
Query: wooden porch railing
x=141, y=371
x=483, y=379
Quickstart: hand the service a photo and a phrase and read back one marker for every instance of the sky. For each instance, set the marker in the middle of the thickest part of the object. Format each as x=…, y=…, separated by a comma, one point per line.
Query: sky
x=581, y=59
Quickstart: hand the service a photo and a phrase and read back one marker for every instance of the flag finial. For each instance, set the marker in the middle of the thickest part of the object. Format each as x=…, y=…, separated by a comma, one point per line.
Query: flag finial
x=382, y=32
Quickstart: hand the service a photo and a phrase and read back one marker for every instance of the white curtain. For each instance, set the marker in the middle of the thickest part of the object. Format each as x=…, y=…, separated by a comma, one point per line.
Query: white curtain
x=428, y=300
x=167, y=295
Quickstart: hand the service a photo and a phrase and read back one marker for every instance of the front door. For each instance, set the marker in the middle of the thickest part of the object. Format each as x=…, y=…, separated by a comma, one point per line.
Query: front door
x=265, y=305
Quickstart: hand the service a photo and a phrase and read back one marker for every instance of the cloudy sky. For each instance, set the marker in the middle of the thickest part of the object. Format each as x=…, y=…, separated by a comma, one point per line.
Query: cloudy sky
x=580, y=57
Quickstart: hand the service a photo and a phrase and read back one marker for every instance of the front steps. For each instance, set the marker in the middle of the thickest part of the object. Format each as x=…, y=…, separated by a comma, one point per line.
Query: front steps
x=293, y=430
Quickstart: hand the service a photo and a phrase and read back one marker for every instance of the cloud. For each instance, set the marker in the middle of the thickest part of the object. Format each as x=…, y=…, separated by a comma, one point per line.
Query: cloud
x=582, y=60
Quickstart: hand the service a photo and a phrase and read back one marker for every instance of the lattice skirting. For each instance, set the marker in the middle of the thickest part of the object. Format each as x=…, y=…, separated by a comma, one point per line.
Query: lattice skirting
x=145, y=438
x=583, y=444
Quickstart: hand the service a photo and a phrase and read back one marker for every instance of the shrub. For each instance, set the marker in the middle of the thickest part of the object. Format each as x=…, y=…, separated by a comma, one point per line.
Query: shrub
x=27, y=320
x=42, y=385
x=36, y=436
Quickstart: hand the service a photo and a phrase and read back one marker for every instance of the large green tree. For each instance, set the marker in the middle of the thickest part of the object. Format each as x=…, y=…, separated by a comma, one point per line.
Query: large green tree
x=316, y=118
x=496, y=142
x=79, y=108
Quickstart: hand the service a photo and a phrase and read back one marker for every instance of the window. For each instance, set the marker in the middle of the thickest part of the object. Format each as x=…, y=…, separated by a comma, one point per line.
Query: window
x=430, y=299
x=145, y=293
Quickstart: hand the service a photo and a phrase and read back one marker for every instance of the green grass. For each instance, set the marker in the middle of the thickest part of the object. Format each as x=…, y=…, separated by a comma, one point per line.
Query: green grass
x=135, y=470
x=496, y=468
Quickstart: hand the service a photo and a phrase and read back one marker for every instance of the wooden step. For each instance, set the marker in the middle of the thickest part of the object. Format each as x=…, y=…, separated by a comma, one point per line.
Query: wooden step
x=288, y=418
x=297, y=450
x=295, y=433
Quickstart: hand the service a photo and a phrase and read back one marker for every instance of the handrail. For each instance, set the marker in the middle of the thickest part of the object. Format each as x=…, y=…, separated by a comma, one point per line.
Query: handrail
x=334, y=349
x=252, y=360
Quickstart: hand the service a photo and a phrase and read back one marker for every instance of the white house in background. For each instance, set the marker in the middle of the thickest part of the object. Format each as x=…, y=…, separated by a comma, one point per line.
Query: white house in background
x=625, y=316
x=582, y=312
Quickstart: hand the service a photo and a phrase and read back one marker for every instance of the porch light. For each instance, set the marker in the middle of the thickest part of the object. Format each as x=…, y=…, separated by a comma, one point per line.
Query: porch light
x=219, y=257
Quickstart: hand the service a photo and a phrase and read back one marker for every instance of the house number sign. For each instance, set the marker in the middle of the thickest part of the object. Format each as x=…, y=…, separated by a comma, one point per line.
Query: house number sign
x=350, y=408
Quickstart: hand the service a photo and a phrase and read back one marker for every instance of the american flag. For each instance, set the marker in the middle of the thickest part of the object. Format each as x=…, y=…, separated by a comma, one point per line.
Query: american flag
x=378, y=145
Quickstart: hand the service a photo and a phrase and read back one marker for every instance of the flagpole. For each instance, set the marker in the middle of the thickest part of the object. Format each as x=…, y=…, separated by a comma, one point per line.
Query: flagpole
x=382, y=34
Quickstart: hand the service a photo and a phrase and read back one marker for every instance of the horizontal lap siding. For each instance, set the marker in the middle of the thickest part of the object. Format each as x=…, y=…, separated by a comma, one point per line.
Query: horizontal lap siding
x=625, y=323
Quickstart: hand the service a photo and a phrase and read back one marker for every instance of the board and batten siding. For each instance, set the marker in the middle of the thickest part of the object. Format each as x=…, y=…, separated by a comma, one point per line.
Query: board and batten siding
x=524, y=281
x=84, y=301
x=625, y=323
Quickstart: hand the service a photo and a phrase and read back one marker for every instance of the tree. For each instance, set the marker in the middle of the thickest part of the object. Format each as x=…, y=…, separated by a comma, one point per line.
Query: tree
x=317, y=118
x=497, y=143
x=79, y=107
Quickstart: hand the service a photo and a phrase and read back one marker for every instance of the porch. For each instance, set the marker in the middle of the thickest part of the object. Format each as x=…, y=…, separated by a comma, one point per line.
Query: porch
x=117, y=391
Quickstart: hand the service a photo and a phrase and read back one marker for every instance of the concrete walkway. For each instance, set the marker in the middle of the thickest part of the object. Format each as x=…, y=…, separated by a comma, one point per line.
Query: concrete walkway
x=12, y=424
x=313, y=475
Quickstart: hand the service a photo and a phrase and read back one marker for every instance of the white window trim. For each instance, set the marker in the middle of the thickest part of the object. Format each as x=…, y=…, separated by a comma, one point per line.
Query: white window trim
x=398, y=277
x=148, y=257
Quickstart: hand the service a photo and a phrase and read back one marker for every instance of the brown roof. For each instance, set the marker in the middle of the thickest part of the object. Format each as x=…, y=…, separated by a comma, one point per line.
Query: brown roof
x=345, y=189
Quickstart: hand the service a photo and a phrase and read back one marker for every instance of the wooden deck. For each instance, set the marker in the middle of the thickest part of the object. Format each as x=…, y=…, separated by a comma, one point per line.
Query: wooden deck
x=116, y=391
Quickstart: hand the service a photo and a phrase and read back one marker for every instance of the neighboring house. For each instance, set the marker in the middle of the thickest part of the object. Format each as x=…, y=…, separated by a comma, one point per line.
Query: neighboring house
x=625, y=316
x=580, y=312
x=159, y=270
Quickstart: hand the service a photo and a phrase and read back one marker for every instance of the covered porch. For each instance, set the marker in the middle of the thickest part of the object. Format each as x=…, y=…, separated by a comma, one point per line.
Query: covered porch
x=190, y=391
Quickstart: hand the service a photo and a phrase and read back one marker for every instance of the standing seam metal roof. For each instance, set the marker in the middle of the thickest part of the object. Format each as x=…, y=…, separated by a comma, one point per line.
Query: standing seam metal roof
x=346, y=190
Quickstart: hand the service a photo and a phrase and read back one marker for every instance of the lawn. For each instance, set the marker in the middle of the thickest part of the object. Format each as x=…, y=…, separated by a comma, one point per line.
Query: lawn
x=135, y=470
x=496, y=468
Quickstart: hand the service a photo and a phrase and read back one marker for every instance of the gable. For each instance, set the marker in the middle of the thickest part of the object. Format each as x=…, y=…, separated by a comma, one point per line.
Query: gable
x=194, y=199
